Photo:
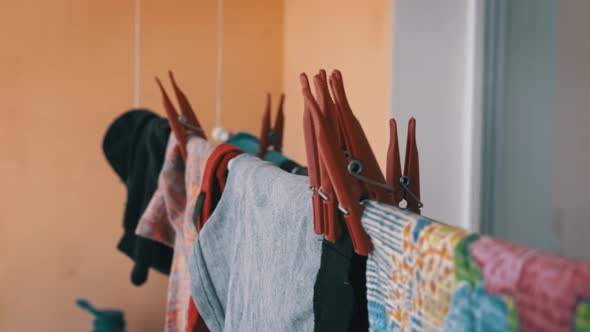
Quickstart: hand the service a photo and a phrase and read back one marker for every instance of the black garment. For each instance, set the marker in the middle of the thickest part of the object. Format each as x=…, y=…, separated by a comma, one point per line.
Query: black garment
x=135, y=147
x=293, y=167
x=340, y=291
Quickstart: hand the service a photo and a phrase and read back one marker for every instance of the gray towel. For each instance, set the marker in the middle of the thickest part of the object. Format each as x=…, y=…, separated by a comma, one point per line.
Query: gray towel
x=255, y=262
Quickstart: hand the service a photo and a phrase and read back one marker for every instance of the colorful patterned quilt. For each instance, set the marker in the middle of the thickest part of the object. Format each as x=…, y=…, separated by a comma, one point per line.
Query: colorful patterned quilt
x=427, y=276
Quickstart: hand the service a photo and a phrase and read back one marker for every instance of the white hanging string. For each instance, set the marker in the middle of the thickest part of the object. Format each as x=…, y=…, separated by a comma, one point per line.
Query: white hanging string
x=136, y=86
x=219, y=63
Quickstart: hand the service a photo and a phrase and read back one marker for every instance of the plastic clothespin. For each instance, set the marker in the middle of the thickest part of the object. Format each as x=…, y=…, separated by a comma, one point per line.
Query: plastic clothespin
x=330, y=221
x=394, y=168
x=180, y=123
x=409, y=182
x=272, y=136
x=411, y=179
x=177, y=128
x=347, y=190
x=187, y=113
x=313, y=169
x=358, y=145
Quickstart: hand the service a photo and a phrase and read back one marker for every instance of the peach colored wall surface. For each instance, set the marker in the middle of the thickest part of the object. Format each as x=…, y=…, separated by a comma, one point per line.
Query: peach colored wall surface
x=67, y=72
x=353, y=36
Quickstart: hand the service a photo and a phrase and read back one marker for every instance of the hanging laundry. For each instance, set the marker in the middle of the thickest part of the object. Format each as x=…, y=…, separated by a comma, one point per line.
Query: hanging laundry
x=250, y=144
x=254, y=264
x=214, y=180
x=549, y=292
x=169, y=219
x=427, y=276
x=134, y=145
x=340, y=291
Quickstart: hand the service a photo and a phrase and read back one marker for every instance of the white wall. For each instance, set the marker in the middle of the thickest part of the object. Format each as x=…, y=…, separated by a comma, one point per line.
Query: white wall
x=436, y=79
x=536, y=189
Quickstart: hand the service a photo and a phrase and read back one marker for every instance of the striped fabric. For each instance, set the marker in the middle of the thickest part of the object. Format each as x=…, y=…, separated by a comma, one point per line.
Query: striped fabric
x=169, y=220
x=427, y=276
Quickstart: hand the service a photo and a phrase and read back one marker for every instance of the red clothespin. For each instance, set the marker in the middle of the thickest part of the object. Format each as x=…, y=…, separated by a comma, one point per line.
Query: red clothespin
x=177, y=128
x=408, y=184
x=331, y=224
x=394, y=168
x=334, y=110
x=358, y=146
x=188, y=117
x=353, y=144
x=412, y=169
x=272, y=136
x=180, y=123
x=313, y=170
x=347, y=163
x=347, y=189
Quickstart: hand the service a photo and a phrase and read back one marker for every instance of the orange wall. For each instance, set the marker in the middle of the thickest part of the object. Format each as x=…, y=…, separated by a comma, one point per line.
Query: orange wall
x=67, y=71
x=67, y=68
x=353, y=36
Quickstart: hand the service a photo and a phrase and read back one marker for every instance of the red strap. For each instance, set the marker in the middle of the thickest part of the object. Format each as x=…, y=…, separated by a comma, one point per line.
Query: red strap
x=213, y=184
x=195, y=321
x=214, y=178
x=221, y=172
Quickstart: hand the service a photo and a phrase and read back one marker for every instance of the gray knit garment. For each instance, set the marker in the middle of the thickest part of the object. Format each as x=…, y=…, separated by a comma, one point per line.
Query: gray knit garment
x=254, y=264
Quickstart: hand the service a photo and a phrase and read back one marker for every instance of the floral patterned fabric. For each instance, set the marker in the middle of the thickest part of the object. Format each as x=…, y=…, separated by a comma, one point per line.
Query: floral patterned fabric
x=169, y=219
x=427, y=276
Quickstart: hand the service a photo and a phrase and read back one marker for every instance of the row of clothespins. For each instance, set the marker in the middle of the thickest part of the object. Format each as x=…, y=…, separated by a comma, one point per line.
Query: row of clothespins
x=187, y=120
x=343, y=170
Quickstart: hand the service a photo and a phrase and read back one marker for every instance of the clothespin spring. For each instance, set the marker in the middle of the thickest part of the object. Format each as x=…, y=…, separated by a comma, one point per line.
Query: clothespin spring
x=355, y=168
x=184, y=121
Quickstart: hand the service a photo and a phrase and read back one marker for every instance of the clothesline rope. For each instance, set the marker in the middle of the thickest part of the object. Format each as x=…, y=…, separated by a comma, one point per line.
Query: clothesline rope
x=219, y=63
x=137, y=55
x=219, y=74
